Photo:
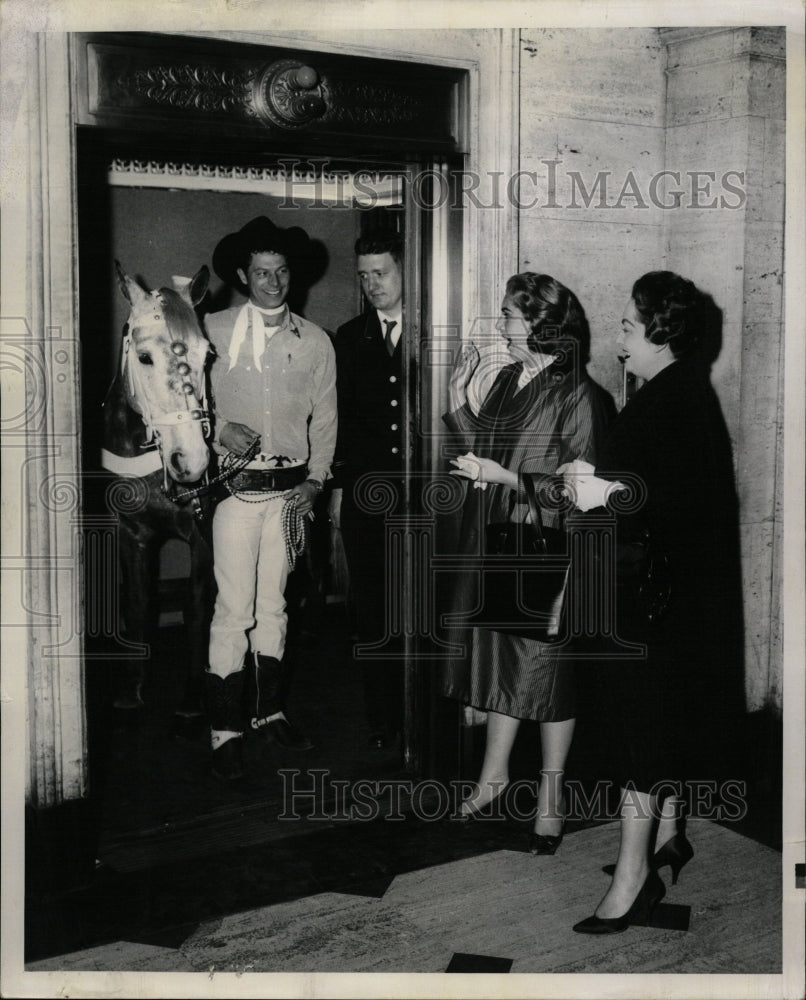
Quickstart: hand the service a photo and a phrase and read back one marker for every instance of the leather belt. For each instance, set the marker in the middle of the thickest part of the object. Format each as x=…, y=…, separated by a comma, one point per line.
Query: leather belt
x=268, y=480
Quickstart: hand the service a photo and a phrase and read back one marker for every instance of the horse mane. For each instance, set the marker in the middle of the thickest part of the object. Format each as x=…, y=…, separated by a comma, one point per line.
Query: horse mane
x=179, y=316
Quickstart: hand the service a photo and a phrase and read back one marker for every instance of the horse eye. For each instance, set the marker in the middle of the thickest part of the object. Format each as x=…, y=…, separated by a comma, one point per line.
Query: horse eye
x=145, y=359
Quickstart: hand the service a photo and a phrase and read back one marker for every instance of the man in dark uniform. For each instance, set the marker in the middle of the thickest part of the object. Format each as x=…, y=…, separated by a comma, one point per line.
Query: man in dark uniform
x=369, y=357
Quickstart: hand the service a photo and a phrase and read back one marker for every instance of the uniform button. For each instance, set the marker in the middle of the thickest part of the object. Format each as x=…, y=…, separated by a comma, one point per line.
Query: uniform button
x=395, y=451
x=393, y=378
x=393, y=403
x=394, y=427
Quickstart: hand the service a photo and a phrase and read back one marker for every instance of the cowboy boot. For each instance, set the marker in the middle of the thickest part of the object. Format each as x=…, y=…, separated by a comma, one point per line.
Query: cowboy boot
x=224, y=708
x=267, y=714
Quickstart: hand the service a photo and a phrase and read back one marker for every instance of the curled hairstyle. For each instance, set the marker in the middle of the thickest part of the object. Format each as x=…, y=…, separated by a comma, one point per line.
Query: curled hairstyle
x=381, y=242
x=256, y=246
x=671, y=309
x=557, y=321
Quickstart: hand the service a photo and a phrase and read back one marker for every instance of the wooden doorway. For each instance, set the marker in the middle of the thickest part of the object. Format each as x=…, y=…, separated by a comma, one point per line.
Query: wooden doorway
x=138, y=177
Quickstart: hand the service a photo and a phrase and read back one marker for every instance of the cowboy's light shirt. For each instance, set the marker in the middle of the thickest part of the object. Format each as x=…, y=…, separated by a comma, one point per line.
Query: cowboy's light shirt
x=291, y=400
x=257, y=324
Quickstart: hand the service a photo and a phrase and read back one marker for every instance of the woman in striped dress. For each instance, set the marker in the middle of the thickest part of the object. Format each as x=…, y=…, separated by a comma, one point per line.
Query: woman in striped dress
x=542, y=410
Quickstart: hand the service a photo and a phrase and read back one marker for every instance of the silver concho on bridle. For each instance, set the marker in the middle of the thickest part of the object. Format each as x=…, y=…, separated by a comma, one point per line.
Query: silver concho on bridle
x=139, y=398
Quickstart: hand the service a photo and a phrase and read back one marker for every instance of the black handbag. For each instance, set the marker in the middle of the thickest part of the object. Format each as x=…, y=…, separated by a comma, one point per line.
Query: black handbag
x=523, y=577
x=644, y=587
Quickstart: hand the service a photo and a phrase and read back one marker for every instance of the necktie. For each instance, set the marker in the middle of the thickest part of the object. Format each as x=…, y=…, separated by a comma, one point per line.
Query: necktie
x=390, y=325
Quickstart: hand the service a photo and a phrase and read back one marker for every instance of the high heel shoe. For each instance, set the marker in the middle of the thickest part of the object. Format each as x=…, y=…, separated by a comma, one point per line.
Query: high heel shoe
x=542, y=844
x=675, y=853
x=650, y=894
x=545, y=843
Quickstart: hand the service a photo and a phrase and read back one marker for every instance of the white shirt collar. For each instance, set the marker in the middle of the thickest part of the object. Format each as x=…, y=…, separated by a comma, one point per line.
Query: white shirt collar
x=397, y=329
x=392, y=317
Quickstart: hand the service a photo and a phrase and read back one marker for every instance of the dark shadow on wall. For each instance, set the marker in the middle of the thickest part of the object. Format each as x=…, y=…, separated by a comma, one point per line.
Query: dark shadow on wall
x=711, y=322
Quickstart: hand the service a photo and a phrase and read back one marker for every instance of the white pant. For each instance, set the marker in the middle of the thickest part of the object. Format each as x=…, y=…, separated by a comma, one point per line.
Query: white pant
x=251, y=570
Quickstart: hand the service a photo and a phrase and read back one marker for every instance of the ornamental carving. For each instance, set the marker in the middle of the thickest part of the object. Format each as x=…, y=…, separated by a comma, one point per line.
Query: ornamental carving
x=288, y=94
x=273, y=95
x=200, y=87
x=371, y=104
x=242, y=90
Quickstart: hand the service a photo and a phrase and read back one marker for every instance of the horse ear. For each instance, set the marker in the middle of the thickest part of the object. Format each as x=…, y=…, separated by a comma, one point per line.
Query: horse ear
x=198, y=284
x=123, y=281
x=134, y=294
x=192, y=289
x=182, y=286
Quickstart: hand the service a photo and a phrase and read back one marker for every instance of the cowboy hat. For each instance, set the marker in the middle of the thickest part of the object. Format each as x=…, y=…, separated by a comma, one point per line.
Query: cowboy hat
x=258, y=236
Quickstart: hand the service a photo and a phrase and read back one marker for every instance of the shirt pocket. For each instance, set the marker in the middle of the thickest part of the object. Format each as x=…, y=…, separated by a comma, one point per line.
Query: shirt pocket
x=296, y=386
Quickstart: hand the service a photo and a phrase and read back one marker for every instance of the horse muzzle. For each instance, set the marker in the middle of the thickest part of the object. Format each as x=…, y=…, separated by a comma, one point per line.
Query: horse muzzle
x=181, y=437
x=185, y=455
x=186, y=468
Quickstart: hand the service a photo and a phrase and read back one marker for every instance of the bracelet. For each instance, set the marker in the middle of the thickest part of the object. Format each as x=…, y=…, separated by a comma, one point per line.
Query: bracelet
x=315, y=482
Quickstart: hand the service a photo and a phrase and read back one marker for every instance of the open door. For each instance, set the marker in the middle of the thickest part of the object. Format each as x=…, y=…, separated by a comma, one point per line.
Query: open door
x=158, y=199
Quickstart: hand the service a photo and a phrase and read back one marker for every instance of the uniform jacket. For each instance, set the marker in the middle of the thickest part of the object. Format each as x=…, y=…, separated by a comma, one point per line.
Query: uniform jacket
x=370, y=395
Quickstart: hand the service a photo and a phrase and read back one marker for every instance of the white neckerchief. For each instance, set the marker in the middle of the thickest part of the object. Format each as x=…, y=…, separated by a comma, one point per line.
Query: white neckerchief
x=254, y=316
x=534, y=368
x=397, y=330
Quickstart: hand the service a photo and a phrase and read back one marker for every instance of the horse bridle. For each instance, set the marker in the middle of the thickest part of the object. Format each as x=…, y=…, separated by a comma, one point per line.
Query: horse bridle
x=163, y=419
x=179, y=348
x=140, y=400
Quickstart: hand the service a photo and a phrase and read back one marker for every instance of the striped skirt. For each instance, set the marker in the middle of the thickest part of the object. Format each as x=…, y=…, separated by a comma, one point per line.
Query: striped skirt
x=522, y=678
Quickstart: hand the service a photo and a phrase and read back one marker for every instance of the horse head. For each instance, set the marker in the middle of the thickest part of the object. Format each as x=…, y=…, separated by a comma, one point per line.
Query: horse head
x=163, y=361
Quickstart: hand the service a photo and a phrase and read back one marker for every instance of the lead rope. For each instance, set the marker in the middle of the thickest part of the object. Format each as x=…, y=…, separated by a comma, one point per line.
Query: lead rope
x=293, y=524
x=230, y=465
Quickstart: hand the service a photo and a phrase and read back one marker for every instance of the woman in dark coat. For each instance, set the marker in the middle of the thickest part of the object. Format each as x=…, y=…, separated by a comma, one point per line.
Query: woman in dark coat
x=541, y=411
x=661, y=711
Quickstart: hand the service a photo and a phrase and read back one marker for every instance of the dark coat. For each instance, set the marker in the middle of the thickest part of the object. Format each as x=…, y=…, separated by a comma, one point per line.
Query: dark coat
x=555, y=418
x=370, y=399
x=659, y=715
x=370, y=440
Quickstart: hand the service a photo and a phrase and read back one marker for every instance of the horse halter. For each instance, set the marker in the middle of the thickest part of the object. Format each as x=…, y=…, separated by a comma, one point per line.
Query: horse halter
x=139, y=396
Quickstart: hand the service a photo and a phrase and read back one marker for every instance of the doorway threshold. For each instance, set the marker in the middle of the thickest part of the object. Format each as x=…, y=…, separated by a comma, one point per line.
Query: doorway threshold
x=249, y=824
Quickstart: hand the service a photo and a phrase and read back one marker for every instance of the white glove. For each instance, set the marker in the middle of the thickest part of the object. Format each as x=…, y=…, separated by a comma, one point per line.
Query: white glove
x=585, y=489
x=469, y=467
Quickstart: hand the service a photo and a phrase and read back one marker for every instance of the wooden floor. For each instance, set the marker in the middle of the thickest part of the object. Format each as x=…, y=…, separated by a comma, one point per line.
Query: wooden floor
x=504, y=911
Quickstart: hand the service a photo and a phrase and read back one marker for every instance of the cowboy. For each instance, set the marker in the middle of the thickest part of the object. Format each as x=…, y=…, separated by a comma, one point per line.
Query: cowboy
x=369, y=353
x=274, y=391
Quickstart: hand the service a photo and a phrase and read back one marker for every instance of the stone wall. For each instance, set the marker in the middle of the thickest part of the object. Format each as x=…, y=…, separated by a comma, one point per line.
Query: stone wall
x=708, y=106
x=593, y=100
x=726, y=111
